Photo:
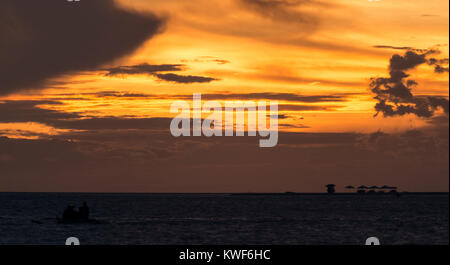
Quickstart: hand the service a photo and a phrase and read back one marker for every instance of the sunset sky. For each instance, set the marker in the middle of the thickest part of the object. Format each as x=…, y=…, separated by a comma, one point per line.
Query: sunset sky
x=86, y=89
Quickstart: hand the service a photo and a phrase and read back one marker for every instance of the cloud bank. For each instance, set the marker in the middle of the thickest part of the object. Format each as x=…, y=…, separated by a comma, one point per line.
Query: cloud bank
x=43, y=39
x=394, y=93
x=156, y=71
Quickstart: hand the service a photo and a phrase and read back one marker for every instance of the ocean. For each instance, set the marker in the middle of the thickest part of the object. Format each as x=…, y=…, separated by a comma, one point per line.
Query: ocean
x=161, y=219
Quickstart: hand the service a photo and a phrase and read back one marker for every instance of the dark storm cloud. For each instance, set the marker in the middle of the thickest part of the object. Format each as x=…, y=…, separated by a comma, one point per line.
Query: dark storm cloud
x=440, y=69
x=46, y=38
x=437, y=63
x=12, y=111
x=155, y=70
x=407, y=48
x=235, y=96
x=184, y=79
x=143, y=69
x=102, y=94
x=392, y=47
x=28, y=111
x=394, y=92
x=339, y=97
x=116, y=94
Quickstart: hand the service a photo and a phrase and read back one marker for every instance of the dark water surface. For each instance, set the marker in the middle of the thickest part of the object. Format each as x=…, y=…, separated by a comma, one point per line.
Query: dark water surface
x=227, y=219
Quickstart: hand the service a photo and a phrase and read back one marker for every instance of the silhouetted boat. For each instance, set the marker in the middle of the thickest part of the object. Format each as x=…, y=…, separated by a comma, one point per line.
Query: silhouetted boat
x=79, y=221
x=72, y=216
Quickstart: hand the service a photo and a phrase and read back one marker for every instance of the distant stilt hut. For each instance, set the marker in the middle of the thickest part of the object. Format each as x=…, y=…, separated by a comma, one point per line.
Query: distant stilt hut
x=362, y=189
x=383, y=188
x=393, y=190
x=350, y=187
x=330, y=188
x=373, y=189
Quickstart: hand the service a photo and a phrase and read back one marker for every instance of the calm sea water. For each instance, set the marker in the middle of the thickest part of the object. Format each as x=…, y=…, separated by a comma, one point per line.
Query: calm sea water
x=227, y=219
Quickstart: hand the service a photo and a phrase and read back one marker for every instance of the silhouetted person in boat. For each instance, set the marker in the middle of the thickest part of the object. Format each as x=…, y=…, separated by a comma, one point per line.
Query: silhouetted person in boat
x=83, y=212
x=70, y=213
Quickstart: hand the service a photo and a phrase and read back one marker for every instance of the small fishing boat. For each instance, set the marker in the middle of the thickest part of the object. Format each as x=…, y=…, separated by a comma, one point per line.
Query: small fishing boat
x=79, y=221
x=72, y=216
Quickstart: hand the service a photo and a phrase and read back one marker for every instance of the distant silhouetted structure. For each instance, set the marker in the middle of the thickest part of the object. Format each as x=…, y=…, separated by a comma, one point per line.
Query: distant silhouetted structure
x=363, y=189
x=330, y=188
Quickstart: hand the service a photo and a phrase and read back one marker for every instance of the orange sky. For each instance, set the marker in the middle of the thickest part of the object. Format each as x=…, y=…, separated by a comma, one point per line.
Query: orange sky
x=329, y=53
x=263, y=47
